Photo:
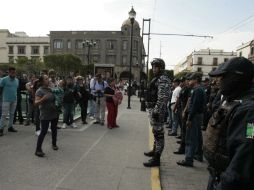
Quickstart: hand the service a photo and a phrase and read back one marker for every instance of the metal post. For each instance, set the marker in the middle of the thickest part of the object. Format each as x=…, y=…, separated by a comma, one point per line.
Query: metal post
x=129, y=90
x=148, y=48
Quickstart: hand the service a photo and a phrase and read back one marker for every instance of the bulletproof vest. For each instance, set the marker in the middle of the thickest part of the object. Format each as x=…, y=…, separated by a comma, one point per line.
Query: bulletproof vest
x=152, y=92
x=215, y=138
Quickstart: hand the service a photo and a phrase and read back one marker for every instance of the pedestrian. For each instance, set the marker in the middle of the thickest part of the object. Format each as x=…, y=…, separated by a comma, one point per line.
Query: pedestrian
x=194, y=122
x=174, y=104
x=100, y=101
x=9, y=86
x=30, y=99
x=159, y=90
x=45, y=99
x=69, y=103
x=112, y=105
x=229, y=137
x=82, y=95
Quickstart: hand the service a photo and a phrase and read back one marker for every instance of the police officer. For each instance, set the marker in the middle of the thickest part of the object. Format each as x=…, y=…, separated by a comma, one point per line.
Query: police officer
x=158, y=96
x=229, y=138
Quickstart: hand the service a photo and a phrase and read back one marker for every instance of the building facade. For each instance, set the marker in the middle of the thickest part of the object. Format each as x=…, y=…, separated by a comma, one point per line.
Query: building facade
x=19, y=44
x=246, y=50
x=204, y=60
x=109, y=51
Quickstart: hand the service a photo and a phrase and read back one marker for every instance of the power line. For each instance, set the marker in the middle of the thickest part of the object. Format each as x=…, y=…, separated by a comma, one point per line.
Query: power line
x=187, y=35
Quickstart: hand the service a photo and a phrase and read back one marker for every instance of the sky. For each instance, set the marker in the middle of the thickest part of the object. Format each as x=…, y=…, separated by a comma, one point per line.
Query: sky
x=230, y=22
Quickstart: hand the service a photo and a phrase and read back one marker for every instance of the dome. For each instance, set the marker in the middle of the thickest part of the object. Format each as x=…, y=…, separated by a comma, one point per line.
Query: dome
x=128, y=23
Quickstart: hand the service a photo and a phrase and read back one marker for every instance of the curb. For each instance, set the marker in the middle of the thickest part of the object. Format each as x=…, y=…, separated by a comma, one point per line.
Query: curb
x=155, y=171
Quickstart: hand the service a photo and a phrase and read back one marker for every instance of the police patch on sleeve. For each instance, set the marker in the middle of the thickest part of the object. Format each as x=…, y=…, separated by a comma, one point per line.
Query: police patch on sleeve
x=250, y=131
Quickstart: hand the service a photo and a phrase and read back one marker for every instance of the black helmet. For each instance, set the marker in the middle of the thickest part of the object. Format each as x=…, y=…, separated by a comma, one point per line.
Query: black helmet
x=158, y=62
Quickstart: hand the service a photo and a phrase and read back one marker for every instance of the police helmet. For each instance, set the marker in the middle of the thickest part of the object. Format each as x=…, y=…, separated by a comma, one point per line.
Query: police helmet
x=158, y=62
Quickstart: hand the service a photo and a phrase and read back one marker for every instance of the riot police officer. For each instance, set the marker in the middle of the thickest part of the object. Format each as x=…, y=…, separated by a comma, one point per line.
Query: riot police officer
x=157, y=99
x=229, y=138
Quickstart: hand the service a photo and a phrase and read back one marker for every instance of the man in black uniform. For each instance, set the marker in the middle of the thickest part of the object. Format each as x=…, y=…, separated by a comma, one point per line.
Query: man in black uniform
x=158, y=95
x=229, y=138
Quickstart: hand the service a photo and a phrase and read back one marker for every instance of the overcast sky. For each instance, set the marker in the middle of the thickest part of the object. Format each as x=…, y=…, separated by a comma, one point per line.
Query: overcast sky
x=231, y=22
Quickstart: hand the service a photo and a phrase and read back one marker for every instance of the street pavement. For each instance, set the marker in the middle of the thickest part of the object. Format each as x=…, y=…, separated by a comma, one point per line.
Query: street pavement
x=90, y=157
x=174, y=177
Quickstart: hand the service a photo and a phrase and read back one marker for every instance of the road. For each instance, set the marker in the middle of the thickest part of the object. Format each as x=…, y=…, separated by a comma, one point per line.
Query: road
x=91, y=157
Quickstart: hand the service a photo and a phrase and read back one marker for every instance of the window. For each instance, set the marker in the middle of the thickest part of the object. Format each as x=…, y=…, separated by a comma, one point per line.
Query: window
x=11, y=59
x=199, y=61
x=58, y=44
x=111, y=44
x=125, y=45
x=68, y=44
x=240, y=54
x=124, y=60
x=134, y=60
x=79, y=44
x=110, y=59
x=135, y=47
x=10, y=49
x=252, y=51
x=225, y=59
x=96, y=59
x=46, y=50
x=199, y=69
x=97, y=44
x=35, y=50
x=215, y=61
x=21, y=49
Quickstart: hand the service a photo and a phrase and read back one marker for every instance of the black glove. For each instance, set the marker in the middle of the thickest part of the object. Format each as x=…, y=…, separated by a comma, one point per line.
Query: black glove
x=155, y=116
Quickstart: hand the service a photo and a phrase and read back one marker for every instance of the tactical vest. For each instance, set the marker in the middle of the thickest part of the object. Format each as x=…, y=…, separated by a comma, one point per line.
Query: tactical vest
x=215, y=138
x=152, y=93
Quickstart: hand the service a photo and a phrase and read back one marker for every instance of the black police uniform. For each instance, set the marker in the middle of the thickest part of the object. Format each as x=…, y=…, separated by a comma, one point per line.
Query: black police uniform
x=229, y=139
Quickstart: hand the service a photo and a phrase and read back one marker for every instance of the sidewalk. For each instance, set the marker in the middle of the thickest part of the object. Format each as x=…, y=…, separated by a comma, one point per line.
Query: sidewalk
x=174, y=177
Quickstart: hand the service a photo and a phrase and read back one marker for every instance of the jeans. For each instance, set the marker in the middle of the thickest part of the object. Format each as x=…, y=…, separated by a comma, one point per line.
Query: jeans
x=7, y=108
x=100, y=109
x=192, y=137
x=91, y=107
x=44, y=130
x=68, y=113
x=176, y=121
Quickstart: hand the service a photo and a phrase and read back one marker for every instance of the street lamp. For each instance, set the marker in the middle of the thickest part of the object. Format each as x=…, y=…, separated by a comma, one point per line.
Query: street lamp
x=132, y=15
x=88, y=44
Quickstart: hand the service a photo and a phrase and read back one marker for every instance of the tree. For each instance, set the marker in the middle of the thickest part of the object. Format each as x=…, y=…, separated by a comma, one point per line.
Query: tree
x=63, y=63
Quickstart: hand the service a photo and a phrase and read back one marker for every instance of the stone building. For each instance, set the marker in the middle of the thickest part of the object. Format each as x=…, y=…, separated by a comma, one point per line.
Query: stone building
x=109, y=51
x=246, y=50
x=19, y=44
x=204, y=60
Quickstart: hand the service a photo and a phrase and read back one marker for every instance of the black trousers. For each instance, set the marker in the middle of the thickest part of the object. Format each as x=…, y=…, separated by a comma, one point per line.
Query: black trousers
x=44, y=130
x=83, y=106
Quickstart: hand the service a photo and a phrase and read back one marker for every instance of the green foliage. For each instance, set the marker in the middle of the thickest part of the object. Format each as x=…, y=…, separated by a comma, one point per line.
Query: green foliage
x=63, y=64
x=181, y=74
x=87, y=69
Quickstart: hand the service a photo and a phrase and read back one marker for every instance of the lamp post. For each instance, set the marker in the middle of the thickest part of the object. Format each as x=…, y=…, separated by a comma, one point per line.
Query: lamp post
x=132, y=15
x=88, y=44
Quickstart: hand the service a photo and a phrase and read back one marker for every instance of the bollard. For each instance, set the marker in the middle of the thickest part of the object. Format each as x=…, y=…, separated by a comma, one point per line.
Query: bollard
x=143, y=105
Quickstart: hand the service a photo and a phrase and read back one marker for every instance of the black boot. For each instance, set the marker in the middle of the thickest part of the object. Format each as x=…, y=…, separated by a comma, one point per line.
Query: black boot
x=154, y=162
x=149, y=154
x=1, y=132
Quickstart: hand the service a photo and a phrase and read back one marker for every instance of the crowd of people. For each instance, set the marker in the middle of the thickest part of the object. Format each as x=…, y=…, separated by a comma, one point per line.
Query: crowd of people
x=222, y=106
x=47, y=97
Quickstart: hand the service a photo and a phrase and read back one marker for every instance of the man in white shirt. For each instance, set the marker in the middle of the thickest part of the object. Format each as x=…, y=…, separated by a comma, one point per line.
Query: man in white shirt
x=174, y=99
x=98, y=92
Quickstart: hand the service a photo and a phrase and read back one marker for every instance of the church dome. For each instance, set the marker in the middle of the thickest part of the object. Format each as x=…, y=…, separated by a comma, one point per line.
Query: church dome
x=128, y=23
